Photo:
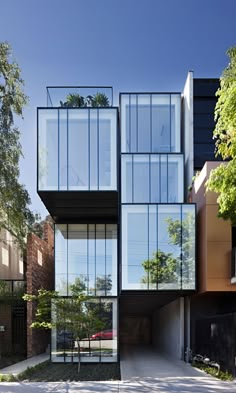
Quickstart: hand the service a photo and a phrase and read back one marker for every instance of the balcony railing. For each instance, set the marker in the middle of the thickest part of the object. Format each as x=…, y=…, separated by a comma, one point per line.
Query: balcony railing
x=79, y=96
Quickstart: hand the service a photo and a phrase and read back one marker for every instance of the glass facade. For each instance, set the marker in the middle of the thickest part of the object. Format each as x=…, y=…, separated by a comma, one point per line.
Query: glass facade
x=150, y=123
x=77, y=149
x=158, y=247
x=98, y=334
x=152, y=178
x=86, y=255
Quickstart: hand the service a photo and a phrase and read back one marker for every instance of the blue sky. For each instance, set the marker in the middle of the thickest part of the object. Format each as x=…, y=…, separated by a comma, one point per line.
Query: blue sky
x=132, y=45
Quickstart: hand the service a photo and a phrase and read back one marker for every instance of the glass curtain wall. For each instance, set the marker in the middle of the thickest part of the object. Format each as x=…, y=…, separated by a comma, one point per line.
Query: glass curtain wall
x=98, y=331
x=77, y=149
x=158, y=247
x=86, y=254
x=150, y=123
x=152, y=178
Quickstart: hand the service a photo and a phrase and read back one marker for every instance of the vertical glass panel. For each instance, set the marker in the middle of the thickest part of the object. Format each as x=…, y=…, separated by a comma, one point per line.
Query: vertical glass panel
x=188, y=246
x=144, y=125
x=63, y=165
x=161, y=129
x=61, y=259
x=141, y=178
x=164, y=177
x=78, y=149
x=93, y=175
x=152, y=246
x=134, y=245
x=167, y=263
x=111, y=259
x=126, y=178
x=77, y=256
x=125, y=123
x=48, y=150
x=175, y=123
x=155, y=176
x=91, y=259
x=104, y=152
x=133, y=123
x=100, y=260
x=175, y=179
x=90, y=343
x=107, y=149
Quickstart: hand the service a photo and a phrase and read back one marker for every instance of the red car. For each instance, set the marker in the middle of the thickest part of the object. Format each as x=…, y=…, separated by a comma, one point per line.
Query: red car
x=104, y=335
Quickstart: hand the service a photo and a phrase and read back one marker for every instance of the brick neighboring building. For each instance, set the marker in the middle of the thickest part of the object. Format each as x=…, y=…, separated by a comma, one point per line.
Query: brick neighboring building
x=17, y=276
x=39, y=274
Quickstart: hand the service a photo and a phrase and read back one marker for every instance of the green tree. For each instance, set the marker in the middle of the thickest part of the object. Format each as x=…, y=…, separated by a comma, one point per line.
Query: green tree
x=161, y=268
x=222, y=180
x=15, y=215
x=165, y=267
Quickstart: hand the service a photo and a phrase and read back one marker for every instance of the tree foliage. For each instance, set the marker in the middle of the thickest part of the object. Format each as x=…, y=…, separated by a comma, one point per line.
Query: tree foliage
x=15, y=215
x=165, y=267
x=223, y=179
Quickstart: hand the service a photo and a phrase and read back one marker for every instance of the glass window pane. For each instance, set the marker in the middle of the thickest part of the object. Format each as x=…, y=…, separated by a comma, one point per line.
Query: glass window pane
x=175, y=179
x=166, y=266
x=91, y=259
x=155, y=178
x=100, y=259
x=144, y=126
x=111, y=259
x=188, y=246
x=48, y=150
x=77, y=256
x=78, y=149
x=164, y=177
x=175, y=122
x=152, y=245
x=107, y=149
x=134, y=244
x=127, y=178
x=125, y=123
x=161, y=123
x=141, y=178
x=133, y=123
x=63, y=165
x=93, y=150
x=61, y=259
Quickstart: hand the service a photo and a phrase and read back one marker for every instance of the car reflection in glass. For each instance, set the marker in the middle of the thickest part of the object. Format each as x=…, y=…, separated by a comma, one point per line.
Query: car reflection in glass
x=104, y=335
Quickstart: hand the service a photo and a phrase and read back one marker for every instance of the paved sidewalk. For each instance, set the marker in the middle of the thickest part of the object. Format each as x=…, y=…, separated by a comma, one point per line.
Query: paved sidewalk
x=22, y=366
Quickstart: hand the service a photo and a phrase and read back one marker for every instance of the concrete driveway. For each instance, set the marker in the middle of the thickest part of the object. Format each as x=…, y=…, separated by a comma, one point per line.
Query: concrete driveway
x=141, y=362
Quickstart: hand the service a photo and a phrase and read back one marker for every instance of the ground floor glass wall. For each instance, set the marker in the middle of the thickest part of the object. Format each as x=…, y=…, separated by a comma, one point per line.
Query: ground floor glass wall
x=96, y=321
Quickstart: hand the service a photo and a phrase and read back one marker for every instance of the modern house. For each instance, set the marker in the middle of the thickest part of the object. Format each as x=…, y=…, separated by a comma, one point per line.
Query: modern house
x=113, y=179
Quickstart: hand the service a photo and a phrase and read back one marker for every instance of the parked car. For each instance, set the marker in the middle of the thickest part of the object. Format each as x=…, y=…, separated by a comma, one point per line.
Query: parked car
x=104, y=335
